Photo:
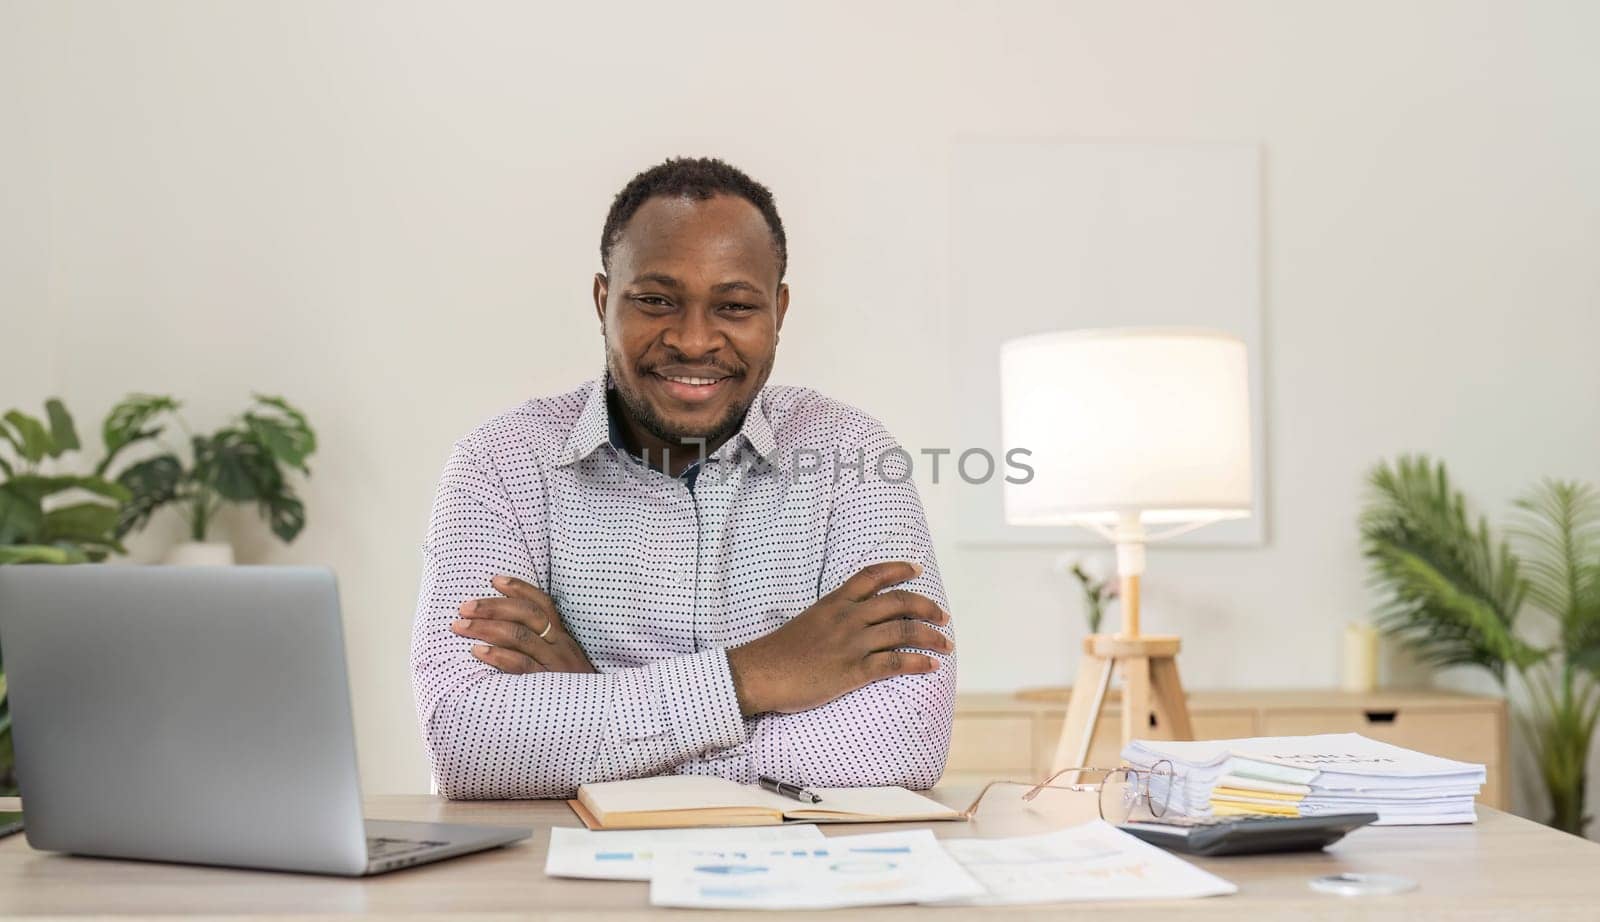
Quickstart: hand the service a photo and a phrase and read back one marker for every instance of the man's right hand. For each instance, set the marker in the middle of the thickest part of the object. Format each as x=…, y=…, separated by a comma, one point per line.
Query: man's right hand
x=848, y=639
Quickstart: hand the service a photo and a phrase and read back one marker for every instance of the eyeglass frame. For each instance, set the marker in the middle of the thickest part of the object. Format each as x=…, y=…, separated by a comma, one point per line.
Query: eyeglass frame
x=1035, y=788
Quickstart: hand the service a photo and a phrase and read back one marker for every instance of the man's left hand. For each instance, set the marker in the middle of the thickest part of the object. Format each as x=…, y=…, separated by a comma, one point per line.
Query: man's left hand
x=521, y=631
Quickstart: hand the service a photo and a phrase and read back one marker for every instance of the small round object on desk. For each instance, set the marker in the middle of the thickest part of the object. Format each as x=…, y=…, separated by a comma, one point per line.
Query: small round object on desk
x=1351, y=884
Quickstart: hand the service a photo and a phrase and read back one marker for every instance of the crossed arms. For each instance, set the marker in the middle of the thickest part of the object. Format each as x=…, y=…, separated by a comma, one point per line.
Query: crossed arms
x=858, y=689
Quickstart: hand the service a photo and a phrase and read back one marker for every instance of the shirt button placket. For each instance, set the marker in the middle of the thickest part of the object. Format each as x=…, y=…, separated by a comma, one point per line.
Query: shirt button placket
x=687, y=563
x=714, y=494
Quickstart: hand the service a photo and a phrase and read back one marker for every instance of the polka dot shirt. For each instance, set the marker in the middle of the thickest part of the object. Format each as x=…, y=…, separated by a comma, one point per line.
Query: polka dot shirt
x=655, y=577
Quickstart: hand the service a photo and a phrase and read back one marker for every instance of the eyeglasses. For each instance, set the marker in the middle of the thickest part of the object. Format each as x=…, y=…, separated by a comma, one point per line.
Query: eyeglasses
x=1122, y=790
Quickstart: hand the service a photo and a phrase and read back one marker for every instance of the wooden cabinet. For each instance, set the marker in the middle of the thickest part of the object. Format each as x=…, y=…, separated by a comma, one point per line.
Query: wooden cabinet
x=1004, y=735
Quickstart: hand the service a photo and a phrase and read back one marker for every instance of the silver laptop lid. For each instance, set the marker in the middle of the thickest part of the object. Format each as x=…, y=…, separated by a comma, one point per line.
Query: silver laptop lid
x=195, y=714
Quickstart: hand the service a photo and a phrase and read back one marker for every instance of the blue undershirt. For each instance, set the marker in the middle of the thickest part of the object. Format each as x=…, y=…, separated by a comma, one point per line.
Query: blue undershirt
x=621, y=445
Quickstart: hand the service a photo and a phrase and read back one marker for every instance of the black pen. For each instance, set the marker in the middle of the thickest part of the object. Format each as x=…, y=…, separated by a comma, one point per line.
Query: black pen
x=786, y=789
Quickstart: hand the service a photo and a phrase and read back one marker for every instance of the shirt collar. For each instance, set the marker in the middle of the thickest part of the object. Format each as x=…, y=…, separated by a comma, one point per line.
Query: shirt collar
x=594, y=428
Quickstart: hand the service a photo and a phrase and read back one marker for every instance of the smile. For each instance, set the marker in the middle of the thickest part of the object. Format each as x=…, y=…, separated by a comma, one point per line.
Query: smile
x=691, y=389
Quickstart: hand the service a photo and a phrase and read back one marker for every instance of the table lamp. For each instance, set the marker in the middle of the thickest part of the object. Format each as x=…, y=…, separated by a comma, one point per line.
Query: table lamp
x=1127, y=428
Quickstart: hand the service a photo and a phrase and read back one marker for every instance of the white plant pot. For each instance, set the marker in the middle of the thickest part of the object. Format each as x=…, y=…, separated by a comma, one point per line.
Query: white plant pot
x=200, y=554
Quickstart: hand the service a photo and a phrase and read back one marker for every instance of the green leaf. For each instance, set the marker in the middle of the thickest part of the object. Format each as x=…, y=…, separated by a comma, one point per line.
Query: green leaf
x=289, y=410
x=234, y=467
x=244, y=465
x=1563, y=727
x=127, y=423
x=286, y=435
x=37, y=486
x=21, y=518
x=1450, y=591
x=41, y=553
x=81, y=522
x=286, y=514
x=152, y=483
x=281, y=442
x=35, y=441
x=5, y=467
x=62, y=431
x=1558, y=524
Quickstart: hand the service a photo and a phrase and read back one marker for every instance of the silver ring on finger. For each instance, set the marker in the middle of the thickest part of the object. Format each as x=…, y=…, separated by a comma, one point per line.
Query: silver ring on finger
x=548, y=625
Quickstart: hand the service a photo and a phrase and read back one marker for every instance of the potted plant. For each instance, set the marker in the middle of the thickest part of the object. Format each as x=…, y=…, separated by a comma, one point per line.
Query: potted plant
x=48, y=517
x=246, y=461
x=1456, y=595
x=1099, y=588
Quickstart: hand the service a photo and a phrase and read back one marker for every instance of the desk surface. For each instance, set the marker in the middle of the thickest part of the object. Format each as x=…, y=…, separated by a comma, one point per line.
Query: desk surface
x=1503, y=867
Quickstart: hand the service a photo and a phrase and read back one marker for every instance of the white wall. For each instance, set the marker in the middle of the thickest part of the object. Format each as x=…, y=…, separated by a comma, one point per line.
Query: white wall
x=389, y=213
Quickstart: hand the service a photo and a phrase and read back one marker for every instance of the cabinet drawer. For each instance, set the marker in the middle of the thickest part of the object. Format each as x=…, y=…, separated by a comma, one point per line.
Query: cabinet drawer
x=1469, y=736
x=996, y=744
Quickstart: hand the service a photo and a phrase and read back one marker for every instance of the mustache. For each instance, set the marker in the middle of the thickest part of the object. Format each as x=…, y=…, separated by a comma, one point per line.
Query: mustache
x=681, y=367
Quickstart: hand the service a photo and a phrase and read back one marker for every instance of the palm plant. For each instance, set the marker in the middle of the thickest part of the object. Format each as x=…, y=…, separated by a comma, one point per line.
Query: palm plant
x=1560, y=524
x=1455, y=595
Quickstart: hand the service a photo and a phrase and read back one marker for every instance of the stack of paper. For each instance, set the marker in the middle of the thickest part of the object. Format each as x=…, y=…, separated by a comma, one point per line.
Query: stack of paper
x=1314, y=776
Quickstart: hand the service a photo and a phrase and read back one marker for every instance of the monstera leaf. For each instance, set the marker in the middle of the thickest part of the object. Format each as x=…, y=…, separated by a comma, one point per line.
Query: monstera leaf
x=151, y=484
x=129, y=422
x=285, y=434
x=244, y=462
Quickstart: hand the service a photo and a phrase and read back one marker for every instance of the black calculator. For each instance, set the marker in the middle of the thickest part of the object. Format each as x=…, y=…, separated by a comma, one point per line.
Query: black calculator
x=1247, y=834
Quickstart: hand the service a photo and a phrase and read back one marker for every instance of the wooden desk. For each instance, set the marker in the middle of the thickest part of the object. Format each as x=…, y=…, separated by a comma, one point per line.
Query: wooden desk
x=1502, y=868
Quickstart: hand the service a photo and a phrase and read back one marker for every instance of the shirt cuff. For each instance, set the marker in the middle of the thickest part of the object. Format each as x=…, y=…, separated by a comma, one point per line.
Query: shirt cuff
x=697, y=697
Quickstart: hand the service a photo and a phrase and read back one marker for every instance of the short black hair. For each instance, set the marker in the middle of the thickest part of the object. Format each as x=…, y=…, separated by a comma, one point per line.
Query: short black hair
x=698, y=178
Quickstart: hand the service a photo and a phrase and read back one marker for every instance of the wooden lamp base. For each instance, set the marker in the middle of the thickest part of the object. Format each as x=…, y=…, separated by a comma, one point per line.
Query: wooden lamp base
x=1148, y=663
x=1150, y=686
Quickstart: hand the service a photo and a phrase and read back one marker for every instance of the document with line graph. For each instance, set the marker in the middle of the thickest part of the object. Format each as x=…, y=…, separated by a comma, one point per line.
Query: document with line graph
x=1094, y=861
x=866, y=870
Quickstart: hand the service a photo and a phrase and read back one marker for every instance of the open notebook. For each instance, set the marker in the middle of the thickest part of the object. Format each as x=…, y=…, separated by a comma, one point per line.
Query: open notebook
x=672, y=801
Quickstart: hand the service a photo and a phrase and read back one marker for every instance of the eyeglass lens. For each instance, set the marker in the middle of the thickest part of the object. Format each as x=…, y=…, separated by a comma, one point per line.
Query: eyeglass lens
x=1126, y=795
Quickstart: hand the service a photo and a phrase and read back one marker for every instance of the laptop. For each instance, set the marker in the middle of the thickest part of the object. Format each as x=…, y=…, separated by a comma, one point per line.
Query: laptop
x=196, y=714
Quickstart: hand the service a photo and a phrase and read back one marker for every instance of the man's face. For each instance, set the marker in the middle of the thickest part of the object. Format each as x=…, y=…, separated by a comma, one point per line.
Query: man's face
x=691, y=313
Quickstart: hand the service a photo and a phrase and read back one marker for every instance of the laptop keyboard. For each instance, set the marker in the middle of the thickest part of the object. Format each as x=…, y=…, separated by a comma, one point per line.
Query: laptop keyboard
x=380, y=847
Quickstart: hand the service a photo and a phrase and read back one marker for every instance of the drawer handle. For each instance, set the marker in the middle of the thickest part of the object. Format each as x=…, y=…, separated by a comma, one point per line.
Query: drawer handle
x=1381, y=717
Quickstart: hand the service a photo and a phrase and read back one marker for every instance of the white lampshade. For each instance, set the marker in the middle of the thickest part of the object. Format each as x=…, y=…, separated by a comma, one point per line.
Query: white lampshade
x=1153, y=422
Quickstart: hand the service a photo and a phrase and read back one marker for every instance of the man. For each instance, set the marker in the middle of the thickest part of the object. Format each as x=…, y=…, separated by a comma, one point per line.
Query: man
x=675, y=567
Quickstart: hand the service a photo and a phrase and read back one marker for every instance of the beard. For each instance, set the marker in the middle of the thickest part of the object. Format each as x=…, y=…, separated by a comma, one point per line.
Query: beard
x=641, y=411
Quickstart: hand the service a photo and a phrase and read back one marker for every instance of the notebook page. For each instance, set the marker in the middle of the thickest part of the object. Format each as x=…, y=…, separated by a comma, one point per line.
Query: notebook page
x=674, y=792
x=876, y=802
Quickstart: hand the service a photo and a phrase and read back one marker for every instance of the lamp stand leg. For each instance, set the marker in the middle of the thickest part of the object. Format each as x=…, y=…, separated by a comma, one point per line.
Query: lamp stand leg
x=1083, y=710
x=1153, y=703
x=1135, y=698
x=1150, y=687
x=1171, y=704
